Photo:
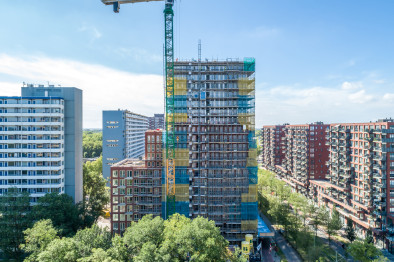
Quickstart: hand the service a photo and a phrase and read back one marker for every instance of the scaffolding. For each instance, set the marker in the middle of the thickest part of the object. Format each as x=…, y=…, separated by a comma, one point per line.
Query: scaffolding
x=215, y=145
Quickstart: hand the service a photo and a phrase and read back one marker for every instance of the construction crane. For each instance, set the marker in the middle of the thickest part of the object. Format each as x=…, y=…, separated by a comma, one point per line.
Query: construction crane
x=169, y=96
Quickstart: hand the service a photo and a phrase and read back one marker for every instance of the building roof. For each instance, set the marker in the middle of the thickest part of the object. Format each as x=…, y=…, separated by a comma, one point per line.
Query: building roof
x=130, y=162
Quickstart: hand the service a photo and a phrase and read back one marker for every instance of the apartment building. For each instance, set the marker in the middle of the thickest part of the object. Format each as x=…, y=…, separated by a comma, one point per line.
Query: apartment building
x=361, y=179
x=272, y=145
x=215, y=163
x=296, y=153
x=136, y=185
x=123, y=137
x=156, y=122
x=41, y=141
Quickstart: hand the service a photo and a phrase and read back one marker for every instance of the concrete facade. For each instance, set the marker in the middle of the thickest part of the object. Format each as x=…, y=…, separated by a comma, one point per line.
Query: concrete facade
x=123, y=137
x=48, y=122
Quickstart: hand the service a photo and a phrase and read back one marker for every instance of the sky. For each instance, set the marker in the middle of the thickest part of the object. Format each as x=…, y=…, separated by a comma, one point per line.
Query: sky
x=328, y=60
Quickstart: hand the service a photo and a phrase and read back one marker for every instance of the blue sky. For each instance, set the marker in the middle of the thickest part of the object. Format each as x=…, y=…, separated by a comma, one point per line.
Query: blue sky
x=316, y=60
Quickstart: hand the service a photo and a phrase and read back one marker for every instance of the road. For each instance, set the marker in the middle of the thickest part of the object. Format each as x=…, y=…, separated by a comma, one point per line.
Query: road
x=287, y=249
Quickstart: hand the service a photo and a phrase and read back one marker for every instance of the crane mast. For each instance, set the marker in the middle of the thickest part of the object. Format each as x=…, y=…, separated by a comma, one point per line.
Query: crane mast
x=169, y=97
x=170, y=107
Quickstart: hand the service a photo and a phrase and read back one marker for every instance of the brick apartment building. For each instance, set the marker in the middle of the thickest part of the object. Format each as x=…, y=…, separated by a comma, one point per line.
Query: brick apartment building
x=361, y=179
x=136, y=186
x=297, y=153
x=271, y=142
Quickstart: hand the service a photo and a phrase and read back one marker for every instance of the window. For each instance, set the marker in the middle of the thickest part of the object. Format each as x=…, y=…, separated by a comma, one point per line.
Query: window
x=115, y=173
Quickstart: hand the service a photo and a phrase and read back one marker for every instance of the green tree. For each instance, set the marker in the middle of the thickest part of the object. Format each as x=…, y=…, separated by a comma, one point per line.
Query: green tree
x=92, y=238
x=92, y=144
x=363, y=251
x=38, y=238
x=95, y=192
x=60, y=250
x=147, y=230
x=14, y=219
x=98, y=255
x=119, y=250
x=334, y=223
x=369, y=237
x=350, y=233
x=61, y=210
x=199, y=239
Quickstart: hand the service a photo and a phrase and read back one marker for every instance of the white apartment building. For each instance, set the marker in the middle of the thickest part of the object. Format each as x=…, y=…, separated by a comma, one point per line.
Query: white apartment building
x=32, y=145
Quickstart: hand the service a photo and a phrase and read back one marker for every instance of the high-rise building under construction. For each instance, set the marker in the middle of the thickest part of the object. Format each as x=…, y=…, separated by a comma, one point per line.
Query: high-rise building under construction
x=215, y=146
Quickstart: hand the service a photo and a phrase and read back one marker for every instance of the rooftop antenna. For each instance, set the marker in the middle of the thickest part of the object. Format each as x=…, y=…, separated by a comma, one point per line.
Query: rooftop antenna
x=199, y=50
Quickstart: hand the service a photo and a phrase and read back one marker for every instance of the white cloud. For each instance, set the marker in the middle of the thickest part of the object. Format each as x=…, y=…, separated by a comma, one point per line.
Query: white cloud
x=360, y=97
x=351, y=85
x=388, y=97
x=293, y=104
x=103, y=88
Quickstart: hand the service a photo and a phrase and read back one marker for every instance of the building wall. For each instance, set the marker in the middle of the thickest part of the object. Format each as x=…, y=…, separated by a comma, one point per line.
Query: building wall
x=123, y=137
x=216, y=167
x=302, y=156
x=32, y=145
x=360, y=176
x=136, y=187
x=114, y=141
x=272, y=145
x=156, y=122
x=73, y=129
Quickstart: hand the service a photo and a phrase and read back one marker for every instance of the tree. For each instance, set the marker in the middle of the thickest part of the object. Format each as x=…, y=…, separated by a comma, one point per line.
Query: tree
x=98, y=255
x=369, y=237
x=95, y=192
x=92, y=238
x=199, y=239
x=147, y=230
x=350, y=233
x=364, y=251
x=60, y=250
x=334, y=223
x=60, y=209
x=92, y=144
x=38, y=238
x=14, y=219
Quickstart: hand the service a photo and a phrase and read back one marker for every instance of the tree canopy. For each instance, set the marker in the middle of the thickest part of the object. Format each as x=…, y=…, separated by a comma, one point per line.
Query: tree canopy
x=61, y=210
x=92, y=144
x=150, y=239
x=95, y=192
x=14, y=219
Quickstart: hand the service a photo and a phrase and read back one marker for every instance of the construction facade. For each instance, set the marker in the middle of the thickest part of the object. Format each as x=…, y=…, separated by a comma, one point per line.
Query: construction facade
x=296, y=153
x=215, y=147
x=136, y=185
x=361, y=177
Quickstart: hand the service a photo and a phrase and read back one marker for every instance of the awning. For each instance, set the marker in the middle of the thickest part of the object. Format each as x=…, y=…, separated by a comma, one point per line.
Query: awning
x=262, y=229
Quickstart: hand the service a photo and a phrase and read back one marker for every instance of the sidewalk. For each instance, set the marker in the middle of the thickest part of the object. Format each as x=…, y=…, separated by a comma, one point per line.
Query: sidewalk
x=287, y=249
